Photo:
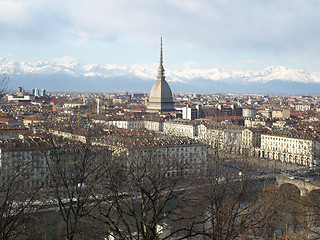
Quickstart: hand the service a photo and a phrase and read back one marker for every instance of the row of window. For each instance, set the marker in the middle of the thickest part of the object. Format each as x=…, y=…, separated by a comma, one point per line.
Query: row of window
x=268, y=138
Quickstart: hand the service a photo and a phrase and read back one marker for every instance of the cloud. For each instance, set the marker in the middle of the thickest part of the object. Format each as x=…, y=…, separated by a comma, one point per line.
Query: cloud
x=273, y=25
x=32, y=20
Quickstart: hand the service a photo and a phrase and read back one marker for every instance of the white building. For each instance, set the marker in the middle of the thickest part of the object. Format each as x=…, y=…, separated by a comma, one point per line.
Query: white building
x=291, y=149
x=75, y=136
x=126, y=124
x=225, y=137
x=180, y=128
x=23, y=98
x=265, y=112
x=153, y=125
x=251, y=141
x=302, y=107
x=257, y=122
x=249, y=112
x=72, y=105
x=99, y=103
x=190, y=113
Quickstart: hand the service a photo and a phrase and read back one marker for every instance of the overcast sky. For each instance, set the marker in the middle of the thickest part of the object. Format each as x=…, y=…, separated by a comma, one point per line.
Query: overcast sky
x=237, y=34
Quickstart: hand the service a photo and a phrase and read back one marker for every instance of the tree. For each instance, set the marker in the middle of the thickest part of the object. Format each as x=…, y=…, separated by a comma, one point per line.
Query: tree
x=17, y=201
x=76, y=168
x=143, y=196
x=306, y=211
x=224, y=196
x=75, y=173
x=287, y=214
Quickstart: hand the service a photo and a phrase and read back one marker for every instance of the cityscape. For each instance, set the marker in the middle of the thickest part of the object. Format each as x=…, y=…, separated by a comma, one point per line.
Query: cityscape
x=210, y=147
x=74, y=153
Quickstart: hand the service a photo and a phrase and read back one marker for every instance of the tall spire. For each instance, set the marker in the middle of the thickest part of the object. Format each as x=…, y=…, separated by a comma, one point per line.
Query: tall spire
x=161, y=69
x=161, y=61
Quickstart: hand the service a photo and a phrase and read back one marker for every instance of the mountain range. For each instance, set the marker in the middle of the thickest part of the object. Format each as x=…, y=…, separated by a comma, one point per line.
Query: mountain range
x=68, y=74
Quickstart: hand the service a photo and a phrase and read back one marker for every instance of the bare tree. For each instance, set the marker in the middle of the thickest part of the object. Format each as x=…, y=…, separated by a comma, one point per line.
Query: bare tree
x=301, y=213
x=75, y=173
x=144, y=201
x=76, y=167
x=17, y=201
x=224, y=196
x=287, y=214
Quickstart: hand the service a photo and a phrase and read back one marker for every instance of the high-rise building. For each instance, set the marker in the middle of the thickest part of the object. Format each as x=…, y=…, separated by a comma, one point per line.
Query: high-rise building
x=99, y=106
x=35, y=92
x=20, y=90
x=160, y=99
x=43, y=93
x=190, y=112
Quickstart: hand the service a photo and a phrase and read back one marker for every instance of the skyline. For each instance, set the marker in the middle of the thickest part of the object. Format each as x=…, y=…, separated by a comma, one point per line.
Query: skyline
x=243, y=35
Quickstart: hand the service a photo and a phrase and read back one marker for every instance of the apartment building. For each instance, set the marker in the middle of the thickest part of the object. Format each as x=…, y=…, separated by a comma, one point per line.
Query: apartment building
x=290, y=148
x=29, y=158
x=181, y=128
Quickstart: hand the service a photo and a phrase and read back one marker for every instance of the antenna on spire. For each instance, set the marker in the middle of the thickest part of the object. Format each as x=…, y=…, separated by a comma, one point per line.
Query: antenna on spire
x=160, y=69
x=161, y=50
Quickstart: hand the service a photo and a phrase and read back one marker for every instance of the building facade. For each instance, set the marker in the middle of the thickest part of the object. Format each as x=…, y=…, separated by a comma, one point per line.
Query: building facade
x=290, y=149
x=27, y=158
x=180, y=128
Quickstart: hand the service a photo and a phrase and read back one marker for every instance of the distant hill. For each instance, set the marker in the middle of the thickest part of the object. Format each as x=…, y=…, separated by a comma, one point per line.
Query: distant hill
x=68, y=74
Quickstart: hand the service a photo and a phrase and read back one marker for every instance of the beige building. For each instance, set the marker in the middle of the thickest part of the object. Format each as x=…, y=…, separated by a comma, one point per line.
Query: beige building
x=225, y=137
x=251, y=141
x=279, y=124
x=30, y=120
x=295, y=149
x=257, y=122
x=118, y=101
x=143, y=145
x=153, y=125
x=180, y=128
x=282, y=113
x=249, y=112
x=126, y=124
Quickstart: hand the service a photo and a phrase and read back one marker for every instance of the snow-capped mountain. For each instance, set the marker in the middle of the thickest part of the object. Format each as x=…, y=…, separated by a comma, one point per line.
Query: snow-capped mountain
x=69, y=74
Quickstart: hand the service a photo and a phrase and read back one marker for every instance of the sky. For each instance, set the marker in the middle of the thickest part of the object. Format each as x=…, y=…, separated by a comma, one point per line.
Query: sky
x=234, y=34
